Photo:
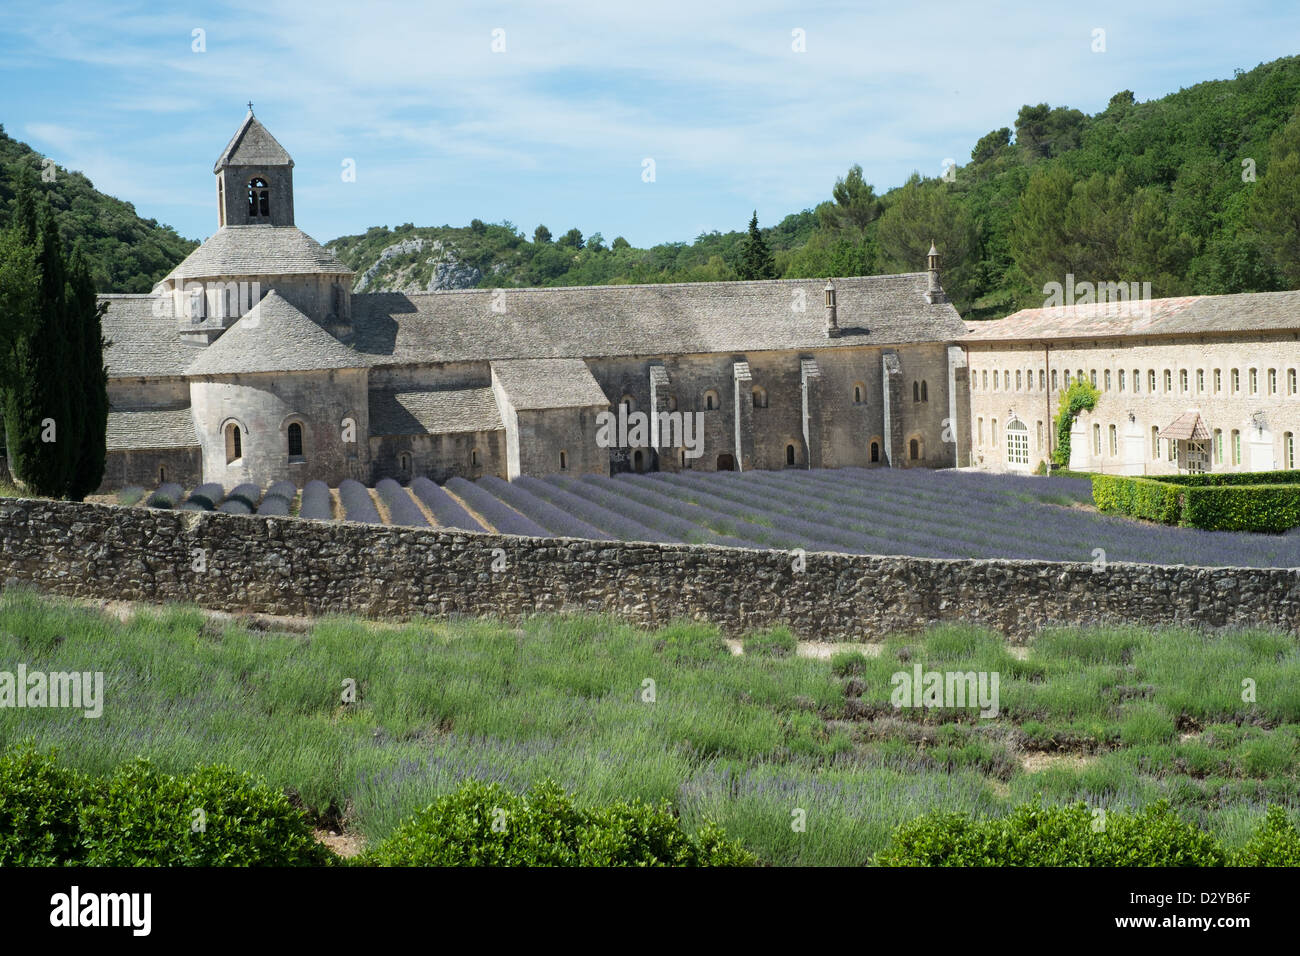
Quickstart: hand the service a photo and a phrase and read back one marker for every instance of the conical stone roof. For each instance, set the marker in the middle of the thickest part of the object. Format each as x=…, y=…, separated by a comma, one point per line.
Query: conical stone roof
x=252, y=145
x=273, y=336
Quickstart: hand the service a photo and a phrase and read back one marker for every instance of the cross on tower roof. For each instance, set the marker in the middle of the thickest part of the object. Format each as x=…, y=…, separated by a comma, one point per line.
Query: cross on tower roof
x=250, y=106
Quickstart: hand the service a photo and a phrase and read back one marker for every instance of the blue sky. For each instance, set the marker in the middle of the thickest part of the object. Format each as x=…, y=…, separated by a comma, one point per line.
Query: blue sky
x=556, y=127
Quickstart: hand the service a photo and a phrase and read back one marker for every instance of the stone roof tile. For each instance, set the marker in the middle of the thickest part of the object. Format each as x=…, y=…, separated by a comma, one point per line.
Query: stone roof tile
x=252, y=145
x=434, y=411
x=273, y=336
x=258, y=250
x=151, y=428
x=548, y=383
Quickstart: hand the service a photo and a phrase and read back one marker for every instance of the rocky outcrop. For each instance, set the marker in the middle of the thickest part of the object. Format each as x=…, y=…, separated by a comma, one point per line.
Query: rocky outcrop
x=448, y=272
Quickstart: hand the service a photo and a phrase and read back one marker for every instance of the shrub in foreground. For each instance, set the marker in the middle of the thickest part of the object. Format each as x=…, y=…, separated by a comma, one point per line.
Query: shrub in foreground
x=1036, y=835
x=1275, y=843
x=487, y=825
x=39, y=800
x=214, y=816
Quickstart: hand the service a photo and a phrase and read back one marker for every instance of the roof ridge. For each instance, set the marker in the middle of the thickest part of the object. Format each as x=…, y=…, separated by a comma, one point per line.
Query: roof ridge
x=648, y=285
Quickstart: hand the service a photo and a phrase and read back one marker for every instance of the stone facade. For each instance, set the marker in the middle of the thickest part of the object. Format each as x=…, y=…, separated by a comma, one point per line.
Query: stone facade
x=296, y=566
x=1241, y=384
x=259, y=330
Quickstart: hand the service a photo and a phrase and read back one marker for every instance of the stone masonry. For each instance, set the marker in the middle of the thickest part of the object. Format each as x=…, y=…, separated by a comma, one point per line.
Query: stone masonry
x=296, y=566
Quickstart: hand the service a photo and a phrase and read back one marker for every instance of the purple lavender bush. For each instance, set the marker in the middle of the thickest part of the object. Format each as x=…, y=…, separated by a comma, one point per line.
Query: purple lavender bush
x=317, y=502
x=357, y=503
x=444, y=507
x=500, y=515
x=402, y=510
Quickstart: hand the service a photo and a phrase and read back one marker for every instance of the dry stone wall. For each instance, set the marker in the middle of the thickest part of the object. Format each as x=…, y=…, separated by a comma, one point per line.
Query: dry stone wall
x=294, y=566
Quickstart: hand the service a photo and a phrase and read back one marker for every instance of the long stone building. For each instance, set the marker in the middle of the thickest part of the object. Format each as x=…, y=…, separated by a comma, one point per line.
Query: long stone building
x=1192, y=384
x=254, y=361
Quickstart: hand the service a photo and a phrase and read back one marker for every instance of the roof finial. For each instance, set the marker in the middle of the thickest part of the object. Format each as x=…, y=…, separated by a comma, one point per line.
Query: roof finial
x=250, y=106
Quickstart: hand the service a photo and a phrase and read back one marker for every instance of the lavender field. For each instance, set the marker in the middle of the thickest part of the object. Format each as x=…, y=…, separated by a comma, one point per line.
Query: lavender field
x=920, y=513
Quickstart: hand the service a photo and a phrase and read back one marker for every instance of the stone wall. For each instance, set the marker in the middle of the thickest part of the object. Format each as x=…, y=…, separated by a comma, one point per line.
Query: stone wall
x=293, y=566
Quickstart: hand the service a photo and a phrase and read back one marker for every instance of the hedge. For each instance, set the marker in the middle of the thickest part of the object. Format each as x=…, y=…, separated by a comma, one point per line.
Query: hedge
x=1272, y=508
x=1230, y=504
x=1137, y=497
x=1236, y=478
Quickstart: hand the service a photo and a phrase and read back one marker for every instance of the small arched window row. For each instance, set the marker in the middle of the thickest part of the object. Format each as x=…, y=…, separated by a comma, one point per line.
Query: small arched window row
x=760, y=396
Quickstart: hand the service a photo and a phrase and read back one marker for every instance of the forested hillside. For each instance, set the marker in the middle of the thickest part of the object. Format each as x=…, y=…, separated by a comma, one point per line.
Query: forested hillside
x=1195, y=192
x=125, y=253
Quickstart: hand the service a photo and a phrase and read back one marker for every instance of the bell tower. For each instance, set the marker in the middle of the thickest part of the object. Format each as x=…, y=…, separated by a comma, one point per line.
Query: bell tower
x=254, y=179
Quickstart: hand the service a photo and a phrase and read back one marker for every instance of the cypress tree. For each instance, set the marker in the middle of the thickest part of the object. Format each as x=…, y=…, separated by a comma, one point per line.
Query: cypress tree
x=41, y=434
x=755, y=259
x=90, y=393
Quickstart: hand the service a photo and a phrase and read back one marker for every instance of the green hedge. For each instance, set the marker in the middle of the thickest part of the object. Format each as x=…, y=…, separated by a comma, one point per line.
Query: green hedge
x=1236, y=478
x=1228, y=505
x=1035, y=835
x=1272, y=508
x=1137, y=497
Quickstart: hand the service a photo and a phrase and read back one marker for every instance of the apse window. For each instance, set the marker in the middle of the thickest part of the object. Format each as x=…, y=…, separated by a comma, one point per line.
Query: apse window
x=234, y=443
x=295, y=441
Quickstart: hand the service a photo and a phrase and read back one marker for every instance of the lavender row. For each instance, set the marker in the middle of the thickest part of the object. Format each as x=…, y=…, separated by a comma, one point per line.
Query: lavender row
x=553, y=519
x=618, y=525
x=445, y=509
x=402, y=509
x=205, y=497
x=503, y=518
x=167, y=495
x=672, y=527
x=357, y=503
x=316, y=502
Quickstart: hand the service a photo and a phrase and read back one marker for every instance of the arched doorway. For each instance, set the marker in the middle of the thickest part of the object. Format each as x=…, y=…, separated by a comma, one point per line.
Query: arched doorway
x=726, y=463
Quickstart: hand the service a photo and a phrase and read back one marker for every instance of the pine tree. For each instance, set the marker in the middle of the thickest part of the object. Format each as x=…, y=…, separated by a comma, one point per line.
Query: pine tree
x=755, y=259
x=90, y=397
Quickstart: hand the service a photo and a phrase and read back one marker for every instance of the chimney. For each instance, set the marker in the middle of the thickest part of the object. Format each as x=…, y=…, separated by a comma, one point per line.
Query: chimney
x=934, y=291
x=832, y=322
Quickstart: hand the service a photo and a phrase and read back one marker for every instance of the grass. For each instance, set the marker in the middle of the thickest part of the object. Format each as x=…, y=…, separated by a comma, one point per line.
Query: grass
x=756, y=742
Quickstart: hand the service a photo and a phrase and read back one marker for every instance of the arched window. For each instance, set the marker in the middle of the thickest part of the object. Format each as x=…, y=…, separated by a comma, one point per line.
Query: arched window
x=295, y=440
x=564, y=461
x=875, y=451
x=473, y=458
x=1017, y=442
x=404, y=463
x=914, y=449
x=638, y=461
x=259, y=198
x=789, y=454
x=710, y=400
x=916, y=391
x=629, y=403
x=198, y=301
x=162, y=472
x=234, y=443
x=859, y=393
x=925, y=390
x=672, y=403
x=682, y=457
x=760, y=397
x=1288, y=450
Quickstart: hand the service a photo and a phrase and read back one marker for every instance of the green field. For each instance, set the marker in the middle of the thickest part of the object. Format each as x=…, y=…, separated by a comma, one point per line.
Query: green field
x=1115, y=718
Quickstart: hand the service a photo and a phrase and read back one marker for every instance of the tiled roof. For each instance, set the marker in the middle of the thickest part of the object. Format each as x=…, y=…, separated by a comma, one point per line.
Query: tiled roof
x=143, y=344
x=548, y=383
x=1186, y=426
x=668, y=319
x=1188, y=315
x=150, y=428
x=252, y=145
x=273, y=336
x=436, y=411
x=258, y=250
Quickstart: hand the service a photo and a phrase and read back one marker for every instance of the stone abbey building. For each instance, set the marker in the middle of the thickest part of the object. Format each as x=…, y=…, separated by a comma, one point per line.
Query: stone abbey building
x=254, y=361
